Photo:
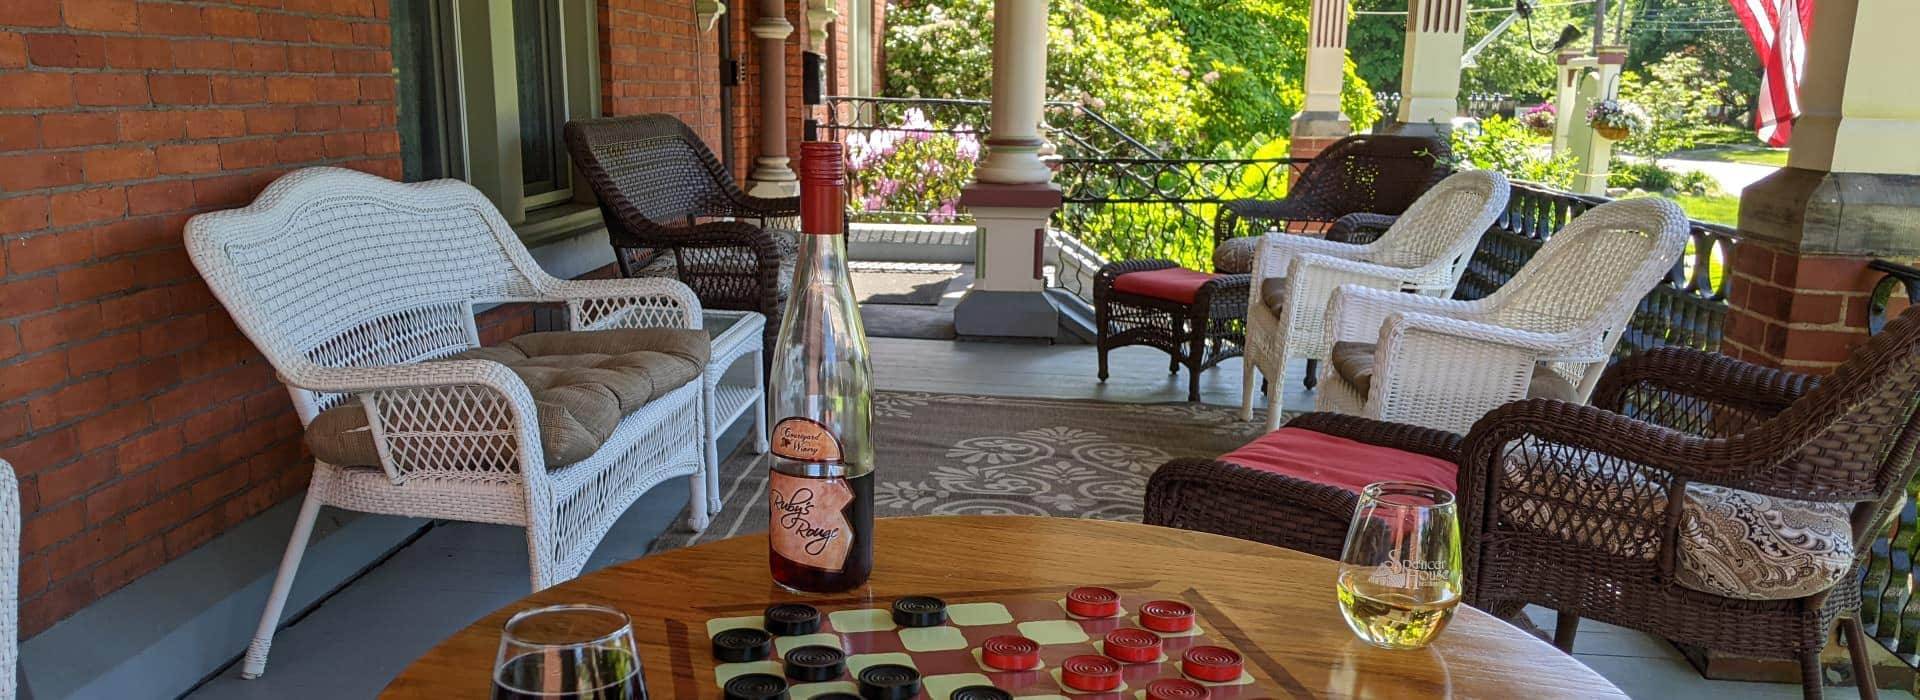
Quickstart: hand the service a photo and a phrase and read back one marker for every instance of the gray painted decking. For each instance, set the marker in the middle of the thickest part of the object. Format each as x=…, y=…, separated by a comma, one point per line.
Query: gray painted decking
x=355, y=642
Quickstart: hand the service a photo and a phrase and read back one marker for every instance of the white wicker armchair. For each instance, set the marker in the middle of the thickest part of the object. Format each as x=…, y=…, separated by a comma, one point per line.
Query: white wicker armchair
x=355, y=286
x=1442, y=363
x=1425, y=251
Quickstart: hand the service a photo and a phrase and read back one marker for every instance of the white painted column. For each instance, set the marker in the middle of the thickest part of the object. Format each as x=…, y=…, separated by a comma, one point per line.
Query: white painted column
x=1592, y=152
x=1012, y=196
x=1566, y=95
x=1430, y=72
x=1852, y=117
x=1320, y=121
x=1019, y=94
x=772, y=176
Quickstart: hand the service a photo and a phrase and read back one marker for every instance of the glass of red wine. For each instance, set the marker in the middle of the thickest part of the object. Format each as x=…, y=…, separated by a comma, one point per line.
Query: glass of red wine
x=568, y=652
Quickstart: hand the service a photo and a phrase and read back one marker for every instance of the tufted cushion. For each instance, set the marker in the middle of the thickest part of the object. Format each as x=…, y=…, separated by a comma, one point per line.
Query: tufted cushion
x=1336, y=461
x=1235, y=255
x=1354, y=363
x=583, y=384
x=1172, y=284
x=1736, y=544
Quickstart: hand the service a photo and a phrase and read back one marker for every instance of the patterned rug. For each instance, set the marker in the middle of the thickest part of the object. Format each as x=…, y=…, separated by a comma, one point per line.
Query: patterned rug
x=949, y=454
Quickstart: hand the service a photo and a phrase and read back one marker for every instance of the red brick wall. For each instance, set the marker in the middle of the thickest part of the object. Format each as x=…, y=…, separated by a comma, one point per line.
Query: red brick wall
x=140, y=420
x=654, y=58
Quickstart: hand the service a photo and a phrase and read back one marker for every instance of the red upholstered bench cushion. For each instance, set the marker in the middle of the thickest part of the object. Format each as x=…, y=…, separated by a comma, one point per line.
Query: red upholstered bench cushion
x=1172, y=284
x=1336, y=461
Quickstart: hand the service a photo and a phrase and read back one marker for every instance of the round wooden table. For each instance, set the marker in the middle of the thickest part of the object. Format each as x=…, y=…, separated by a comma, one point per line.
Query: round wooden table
x=1275, y=605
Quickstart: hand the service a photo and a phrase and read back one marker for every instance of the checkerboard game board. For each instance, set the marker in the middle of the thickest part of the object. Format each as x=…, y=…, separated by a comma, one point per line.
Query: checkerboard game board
x=949, y=656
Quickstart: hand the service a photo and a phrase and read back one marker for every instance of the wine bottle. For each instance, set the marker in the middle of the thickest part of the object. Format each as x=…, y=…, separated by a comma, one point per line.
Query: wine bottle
x=820, y=488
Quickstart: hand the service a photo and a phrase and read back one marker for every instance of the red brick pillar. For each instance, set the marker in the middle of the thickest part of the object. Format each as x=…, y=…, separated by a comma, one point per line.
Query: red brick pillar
x=1796, y=309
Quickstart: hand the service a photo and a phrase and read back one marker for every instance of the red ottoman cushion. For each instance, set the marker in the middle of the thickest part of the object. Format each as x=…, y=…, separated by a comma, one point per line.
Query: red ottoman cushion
x=1172, y=284
x=1336, y=461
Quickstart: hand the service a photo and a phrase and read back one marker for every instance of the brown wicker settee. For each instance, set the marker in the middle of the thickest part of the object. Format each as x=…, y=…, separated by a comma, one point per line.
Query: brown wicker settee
x=661, y=189
x=1565, y=506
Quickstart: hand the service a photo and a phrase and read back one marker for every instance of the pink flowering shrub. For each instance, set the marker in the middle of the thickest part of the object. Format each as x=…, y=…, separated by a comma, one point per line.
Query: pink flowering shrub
x=910, y=173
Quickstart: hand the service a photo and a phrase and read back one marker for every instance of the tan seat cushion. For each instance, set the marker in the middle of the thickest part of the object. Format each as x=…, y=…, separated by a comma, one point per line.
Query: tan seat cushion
x=1273, y=294
x=1354, y=363
x=583, y=384
x=1733, y=543
x=1235, y=256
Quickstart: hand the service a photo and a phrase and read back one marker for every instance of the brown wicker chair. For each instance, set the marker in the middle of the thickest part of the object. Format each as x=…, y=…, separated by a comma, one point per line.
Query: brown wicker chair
x=660, y=188
x=1586, y=545
x=1359, y=174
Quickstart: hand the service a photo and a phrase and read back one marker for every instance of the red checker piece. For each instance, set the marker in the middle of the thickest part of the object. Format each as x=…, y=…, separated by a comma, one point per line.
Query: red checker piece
x=1177, y=689
x=1132, y=645
x=1166, y=616
x=1211, y=664
x=1093, y=601
x=1090, y=673
x=1010, y=652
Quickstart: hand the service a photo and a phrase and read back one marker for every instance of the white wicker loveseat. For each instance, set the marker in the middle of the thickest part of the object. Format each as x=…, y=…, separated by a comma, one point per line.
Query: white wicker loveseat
x=1547, y=333
x=356, y=288
x=1425, y=251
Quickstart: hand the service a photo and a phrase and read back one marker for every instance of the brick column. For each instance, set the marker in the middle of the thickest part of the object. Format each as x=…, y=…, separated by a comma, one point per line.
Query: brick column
x=772, y=176
x=1320, y=121
x=1850, y=193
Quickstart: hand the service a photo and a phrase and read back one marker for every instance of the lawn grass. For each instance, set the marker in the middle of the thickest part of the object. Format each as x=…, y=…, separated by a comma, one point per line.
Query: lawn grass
x=1774, y=157
x=1721, y=209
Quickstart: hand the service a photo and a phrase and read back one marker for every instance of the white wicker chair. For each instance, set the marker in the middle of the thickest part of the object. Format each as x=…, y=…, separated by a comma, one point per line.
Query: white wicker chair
x=9, y=582
x=1425, y=251
x=1442, y=363
x=353, y=286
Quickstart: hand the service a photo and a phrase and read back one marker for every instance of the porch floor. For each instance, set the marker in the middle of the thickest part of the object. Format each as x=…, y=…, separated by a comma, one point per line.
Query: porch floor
x=353, y=643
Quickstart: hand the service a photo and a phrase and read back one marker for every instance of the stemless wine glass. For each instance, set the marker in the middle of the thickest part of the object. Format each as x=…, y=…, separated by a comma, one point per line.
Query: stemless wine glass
x=1400, y=567
x=572, y=652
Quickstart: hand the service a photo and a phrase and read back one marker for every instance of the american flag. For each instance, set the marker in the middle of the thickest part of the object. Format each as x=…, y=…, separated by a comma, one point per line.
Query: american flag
x=1779, y=32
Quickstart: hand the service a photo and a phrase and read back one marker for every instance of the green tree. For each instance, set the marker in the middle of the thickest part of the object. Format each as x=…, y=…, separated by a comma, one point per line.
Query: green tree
x=944, y=49
x=1190, y=75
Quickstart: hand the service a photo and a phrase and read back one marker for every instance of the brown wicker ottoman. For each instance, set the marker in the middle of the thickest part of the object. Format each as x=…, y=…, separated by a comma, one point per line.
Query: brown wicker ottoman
x=1296, y=487
x=1198, y=318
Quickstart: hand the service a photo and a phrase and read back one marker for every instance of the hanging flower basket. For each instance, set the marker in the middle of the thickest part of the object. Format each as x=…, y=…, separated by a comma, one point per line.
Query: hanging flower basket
x=1615, y=120
x=1540, y=120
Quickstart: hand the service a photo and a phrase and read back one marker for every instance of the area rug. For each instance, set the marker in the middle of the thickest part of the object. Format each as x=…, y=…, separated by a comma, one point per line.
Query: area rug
x=950, y=454
x=904, y=284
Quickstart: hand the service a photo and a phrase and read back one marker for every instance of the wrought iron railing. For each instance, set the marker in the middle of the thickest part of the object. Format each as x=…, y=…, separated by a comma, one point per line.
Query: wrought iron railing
x=1135, y=208
x=1478, y=105
x=1889, y=608
x=942, y=138
x=1688, y=309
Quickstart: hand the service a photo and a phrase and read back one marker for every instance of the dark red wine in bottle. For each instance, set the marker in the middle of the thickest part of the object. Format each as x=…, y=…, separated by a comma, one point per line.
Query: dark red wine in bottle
x=820, y=490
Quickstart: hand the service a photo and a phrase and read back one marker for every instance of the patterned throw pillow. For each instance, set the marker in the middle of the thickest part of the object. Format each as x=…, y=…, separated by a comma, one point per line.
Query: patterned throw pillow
x=1235, y=256
x=1733, y=543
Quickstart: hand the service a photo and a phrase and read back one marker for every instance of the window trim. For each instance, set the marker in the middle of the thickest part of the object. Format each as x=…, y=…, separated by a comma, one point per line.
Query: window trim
x=489, y=108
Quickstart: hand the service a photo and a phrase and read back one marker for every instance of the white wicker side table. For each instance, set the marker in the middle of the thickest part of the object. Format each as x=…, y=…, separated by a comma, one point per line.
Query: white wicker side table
x=732, y=389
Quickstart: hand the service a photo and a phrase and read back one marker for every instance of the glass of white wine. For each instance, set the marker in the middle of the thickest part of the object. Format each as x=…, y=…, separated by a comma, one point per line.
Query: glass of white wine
x=1400, y=568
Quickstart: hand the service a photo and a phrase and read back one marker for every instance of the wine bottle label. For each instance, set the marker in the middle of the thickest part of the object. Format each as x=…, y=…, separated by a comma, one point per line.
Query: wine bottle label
x=805, y=440
x=809, y=519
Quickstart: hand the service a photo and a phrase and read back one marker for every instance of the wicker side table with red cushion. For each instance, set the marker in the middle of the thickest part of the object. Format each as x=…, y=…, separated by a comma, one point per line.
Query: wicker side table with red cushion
x=1296, y=487
x=1197, y=318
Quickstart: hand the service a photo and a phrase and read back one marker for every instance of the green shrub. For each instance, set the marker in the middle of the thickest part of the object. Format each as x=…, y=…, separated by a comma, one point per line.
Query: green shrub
x=1506, y=146
x=1650, y=176
x=1678, y=94
x=910, y=174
